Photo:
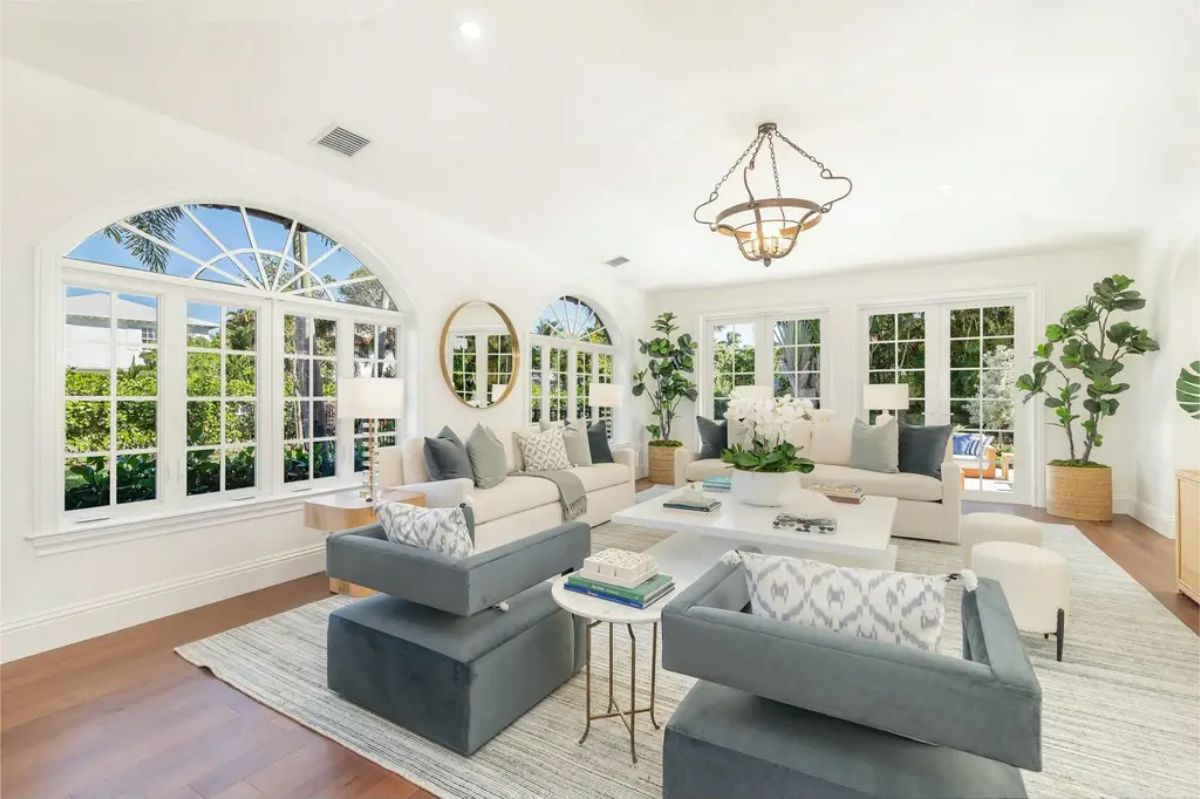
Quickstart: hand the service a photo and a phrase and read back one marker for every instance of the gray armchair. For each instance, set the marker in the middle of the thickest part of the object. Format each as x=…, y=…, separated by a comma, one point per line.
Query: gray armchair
x=432, y=652
x=977, y=716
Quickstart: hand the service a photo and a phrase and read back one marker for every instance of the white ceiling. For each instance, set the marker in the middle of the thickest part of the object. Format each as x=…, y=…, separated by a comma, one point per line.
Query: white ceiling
x=584, y=130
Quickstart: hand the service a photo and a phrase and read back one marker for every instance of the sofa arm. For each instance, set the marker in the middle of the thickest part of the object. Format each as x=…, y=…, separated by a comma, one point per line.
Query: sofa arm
x=442, y=493
x=627, y=457
x=990, y=711
x=952, y=489
x=683, y=456
x=462, y=586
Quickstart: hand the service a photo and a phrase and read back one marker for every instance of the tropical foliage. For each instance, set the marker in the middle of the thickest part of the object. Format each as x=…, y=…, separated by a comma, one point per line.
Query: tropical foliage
x=1084, y=351
x=671, y=360
x=767, y=426
x=1187, y=389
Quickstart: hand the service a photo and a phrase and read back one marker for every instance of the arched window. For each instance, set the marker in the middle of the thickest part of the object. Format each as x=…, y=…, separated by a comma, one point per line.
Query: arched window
x=201, y=349
x=570, y=348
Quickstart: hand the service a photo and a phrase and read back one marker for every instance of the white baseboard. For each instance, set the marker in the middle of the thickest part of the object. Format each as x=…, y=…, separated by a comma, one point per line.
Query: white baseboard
x=1157, y=520
x=76, y=622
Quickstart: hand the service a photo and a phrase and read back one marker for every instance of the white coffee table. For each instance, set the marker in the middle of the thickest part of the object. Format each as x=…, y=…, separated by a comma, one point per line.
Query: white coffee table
x=863, y=536
x=599, y=611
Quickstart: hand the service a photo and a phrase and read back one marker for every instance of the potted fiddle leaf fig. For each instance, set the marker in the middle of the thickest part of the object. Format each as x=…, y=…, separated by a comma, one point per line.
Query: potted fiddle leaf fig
x=1084, y=353
x=665, y=381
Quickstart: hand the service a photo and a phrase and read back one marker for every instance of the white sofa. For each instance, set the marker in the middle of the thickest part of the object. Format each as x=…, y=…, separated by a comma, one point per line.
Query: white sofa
x=520, y=505
x=928, y=508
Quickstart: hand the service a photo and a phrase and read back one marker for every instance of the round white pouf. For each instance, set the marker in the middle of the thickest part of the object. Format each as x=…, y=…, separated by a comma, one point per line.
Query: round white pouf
x=976, y=528
x=1036, y=583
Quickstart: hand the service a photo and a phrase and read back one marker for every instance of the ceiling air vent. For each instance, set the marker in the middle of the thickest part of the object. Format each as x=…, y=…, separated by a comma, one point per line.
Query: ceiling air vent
x=344, y=141
x=620, y=260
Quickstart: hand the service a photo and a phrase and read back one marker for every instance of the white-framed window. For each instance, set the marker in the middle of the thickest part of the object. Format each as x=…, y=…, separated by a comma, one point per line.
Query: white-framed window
x=569, y=349
x=781, y=350
x=197, y=361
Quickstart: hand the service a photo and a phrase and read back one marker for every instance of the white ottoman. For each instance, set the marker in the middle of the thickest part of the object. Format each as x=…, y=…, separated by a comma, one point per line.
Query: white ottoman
x=1036, y=583
x=977, y=528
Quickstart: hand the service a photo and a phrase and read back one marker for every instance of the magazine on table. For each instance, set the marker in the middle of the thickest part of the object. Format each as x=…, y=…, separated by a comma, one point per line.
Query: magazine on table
x=822, y=525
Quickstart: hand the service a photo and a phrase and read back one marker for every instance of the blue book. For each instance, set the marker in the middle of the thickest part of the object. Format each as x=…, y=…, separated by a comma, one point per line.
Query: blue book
x=619, y=599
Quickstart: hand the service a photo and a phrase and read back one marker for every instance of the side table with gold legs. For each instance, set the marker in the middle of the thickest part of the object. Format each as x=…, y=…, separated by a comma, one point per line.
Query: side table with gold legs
x=599, y=611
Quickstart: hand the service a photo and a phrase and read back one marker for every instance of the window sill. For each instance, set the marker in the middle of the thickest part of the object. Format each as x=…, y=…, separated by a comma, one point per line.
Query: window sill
x=69, y=538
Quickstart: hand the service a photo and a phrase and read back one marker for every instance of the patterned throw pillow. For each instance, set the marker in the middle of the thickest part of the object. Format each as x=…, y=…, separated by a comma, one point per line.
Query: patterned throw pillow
x=544, y=451
x=444, y=530
x=896, y=607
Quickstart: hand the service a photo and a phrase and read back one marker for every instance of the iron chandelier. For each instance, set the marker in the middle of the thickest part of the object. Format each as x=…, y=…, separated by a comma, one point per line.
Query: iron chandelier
x=766, y=229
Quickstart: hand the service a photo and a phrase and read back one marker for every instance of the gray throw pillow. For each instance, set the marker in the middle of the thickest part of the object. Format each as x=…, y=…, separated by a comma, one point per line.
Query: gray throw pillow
x=875, y=447
x=923, y=448
x=489, y=462
x=575, y=439
x=446, y=457
x=714, y=438
x=598, y=443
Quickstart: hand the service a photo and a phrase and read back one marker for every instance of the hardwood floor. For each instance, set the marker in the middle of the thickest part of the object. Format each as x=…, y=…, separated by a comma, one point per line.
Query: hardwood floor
x=123, y=716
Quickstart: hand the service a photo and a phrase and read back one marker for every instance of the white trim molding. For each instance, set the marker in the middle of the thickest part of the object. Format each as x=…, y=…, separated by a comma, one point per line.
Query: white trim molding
x=68, y=624
x=1160, y=521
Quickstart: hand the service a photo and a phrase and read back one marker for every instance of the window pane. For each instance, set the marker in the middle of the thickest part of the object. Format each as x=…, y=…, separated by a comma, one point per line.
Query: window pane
x=882, y=327
x=963, y=411
x=785, y=333
x=915, y=381
x=203, y=471
x=86, y=483
x=964, y=353
x=325, y=339
x=910, y=355
x=296, y=420
x=85, y=383
x=203, y=423
x=297, y=335
x=137, y=319
x=964, y=383
x=327, y=379
x=808, y=331
x=87, y=425
x=364, y=338
x=999, y=321
x=808, y=359
x=910, y=326
x=240, y=376
x=296, y=377
x=992, y=346
x=240, y=422
x=139, y=376
x=240, y=329
x=964, y=322
x=204, y=374
x=883, y=356
x=203, y=325
x=137, y=478
x=137, y=425
x=324, y=416
x=239, y=468
x=324, y=459
x=296, y=461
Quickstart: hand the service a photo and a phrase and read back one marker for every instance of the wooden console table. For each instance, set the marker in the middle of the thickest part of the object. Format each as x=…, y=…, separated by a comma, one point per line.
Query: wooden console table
x=1187, y=532
x=345, y=510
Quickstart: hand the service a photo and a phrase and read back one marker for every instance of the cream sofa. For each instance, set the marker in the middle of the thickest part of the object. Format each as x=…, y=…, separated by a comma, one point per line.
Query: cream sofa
x=928, y=508
x=520, y=505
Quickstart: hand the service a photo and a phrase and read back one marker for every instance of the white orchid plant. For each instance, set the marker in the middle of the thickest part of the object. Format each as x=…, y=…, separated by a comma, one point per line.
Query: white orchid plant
x=768, y=427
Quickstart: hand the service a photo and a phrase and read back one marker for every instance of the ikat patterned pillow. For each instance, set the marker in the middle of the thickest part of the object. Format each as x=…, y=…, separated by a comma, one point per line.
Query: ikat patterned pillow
x=895, y=607
x=544, y=451
x=444, y=530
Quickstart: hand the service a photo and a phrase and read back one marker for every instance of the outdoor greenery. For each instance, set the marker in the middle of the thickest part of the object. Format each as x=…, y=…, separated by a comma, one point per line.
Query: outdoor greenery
x=995, y=389
x=1089, y=343
x=670, y=363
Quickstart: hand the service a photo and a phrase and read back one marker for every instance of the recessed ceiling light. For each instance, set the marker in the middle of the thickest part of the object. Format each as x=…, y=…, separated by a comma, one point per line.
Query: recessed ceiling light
x=470, y=30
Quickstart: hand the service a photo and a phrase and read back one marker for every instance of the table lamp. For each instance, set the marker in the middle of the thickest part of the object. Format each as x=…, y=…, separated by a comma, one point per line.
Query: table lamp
x=370, y=398
x=606, y=395
x=885, y=397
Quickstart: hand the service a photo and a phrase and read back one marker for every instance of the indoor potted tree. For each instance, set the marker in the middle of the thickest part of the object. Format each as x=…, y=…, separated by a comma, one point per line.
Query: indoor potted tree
x=1090, y=343
x=767, y=468
x=671, y=360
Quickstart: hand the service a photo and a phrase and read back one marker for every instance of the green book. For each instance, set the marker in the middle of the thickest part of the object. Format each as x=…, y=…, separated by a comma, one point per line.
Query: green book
x=638, y=593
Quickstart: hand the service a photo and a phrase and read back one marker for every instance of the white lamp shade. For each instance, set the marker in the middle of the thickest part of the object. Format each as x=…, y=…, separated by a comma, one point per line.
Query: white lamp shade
x=605, y=395
x=752, y=392
x=370, y=397
x=885, y=397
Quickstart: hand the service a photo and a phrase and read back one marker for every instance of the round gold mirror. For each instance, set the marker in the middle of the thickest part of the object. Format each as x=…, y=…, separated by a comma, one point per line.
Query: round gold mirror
x=479, y=354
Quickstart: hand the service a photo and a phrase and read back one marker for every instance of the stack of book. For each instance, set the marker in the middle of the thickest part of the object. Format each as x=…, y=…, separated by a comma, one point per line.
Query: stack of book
x=718, y=483
x=617, y=575
x=841, y=492
x=694, y=501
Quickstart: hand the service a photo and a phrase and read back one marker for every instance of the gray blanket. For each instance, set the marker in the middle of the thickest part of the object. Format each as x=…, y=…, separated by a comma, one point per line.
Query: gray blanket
x=571, y=493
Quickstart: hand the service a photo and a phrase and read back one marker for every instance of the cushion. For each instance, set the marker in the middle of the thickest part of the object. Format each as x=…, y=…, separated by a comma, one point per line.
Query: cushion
x=971, y=445
x=831, y=442
x=875, y=447
x=918, y=487
x=714, y=437
x=444, y=530
x=598, y=443
x=446, y=458
x=896, y=607
x=489, y=461
x=601, y=475
x=798, y=433
x=702, y=470
x=575, y=439
x=922, y=448
x=545, y=450
x=517, y=493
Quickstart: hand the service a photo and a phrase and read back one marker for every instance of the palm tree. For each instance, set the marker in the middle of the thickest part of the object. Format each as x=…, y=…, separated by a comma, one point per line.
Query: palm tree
x=159, y=223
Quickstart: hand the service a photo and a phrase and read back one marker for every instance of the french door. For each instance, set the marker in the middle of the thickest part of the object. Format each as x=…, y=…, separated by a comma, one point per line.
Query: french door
x=960, y=359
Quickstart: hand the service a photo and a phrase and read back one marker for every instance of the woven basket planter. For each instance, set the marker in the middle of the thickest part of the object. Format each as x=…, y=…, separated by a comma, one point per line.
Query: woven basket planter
x=662, y=465
x=1084, y=493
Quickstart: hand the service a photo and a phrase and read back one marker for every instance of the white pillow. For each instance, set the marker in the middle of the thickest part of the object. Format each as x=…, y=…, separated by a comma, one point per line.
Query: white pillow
x=443, y=530
x=544, y=451
x=896, y=607
x=832, y=441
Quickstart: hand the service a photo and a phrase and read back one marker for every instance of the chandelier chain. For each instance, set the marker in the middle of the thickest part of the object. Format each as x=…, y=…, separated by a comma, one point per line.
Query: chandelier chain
x=774, y=165
x=825, y=173
x=757, y=140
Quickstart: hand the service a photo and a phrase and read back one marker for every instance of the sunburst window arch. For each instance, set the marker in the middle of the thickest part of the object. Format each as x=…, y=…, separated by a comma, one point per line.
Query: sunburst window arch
x=572, y=344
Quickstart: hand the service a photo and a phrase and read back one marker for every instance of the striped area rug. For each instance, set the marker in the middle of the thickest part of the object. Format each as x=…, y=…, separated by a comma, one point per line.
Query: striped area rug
x=1121, y=714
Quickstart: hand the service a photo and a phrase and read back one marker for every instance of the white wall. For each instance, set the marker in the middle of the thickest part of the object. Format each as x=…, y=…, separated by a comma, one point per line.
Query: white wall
x=1168, y=439
x=1055, y=280
x=75, y=160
